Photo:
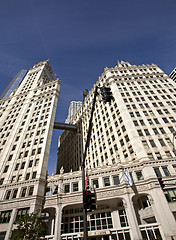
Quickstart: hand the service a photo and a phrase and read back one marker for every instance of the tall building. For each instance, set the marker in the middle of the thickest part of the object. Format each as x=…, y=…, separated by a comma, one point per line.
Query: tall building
x=26, y=124
x=74, y=107
x=135, y=132
x=16, y=81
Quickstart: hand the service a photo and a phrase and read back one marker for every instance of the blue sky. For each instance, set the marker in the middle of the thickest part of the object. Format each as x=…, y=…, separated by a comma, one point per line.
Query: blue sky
x=80, y=38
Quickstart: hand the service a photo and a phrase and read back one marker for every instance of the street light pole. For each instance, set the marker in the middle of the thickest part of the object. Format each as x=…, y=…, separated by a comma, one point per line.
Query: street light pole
x=85, y=92
x=83, y=156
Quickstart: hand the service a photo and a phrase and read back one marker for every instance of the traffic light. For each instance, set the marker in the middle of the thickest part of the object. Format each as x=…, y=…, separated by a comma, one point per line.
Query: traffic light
x=89, y=200
x=93, y=201
x=160, y=180
x=106, y=94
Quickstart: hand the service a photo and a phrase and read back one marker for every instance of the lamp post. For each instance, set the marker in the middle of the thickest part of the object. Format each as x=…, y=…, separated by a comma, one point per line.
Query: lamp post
x=85, y=92
x=83, y=156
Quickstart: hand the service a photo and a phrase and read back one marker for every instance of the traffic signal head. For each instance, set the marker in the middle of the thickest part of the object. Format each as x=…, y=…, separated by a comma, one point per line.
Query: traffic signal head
x=160, y=180
x=89, y=200
x=106, y=94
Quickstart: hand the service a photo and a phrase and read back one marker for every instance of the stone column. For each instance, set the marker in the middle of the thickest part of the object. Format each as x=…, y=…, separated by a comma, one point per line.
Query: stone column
x=163, y=214
x=58, y=220
x=115, y=219
x=131, y=216
x=12, y=219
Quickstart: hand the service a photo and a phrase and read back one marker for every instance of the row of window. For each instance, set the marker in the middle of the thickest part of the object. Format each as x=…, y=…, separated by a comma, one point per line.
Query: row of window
x=6, y=215
x=19, y=177
x=25, y=191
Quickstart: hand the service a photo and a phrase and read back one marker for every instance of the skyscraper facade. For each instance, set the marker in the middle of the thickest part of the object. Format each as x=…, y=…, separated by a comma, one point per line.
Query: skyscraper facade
x=130, y=160
x=133, y=134
x=73, y=108
x=27, y=118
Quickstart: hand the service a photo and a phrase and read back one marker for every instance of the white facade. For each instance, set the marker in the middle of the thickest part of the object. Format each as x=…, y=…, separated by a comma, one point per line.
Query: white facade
x=27, y=118
x=74, y=107
x=135, y=132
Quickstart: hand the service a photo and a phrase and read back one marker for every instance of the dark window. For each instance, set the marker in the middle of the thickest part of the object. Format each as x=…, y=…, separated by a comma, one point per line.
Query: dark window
x=158, y=173
x=116, y=180
x=5, y=216
x=166, y=171
x=6, y=168
x=14, y=193
x=106, y=182
x=67, y=188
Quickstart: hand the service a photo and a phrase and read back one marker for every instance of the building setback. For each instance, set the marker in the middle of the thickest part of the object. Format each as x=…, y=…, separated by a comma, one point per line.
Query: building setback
x=26, y=124
x=135, y=132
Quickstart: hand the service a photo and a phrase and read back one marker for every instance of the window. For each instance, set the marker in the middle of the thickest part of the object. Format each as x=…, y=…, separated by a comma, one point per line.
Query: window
x=67, y=188
x=15, y=191
x=158, y=155
x=95, y=183
x=5, y=216
x=31, y=190
x=27, y=176
x=116, y=180
x=10, y=158
x=152, y=143
x=162, y=142
x=106, y=181
x=33, y=152
x=6, y=168
x=23, y=192
x=21, y=213
x=30, y=163
x=143, y=202
x=158, y=173
x=155, y=131
x=166, y=171
x=162, y=130
x=1, y=181
x=19, y=178
x=146, y=132
x=136, y=123
x=75, y=187
x=139, y=176
x=36, y=162
x=170, y=194
x=165, y=120
x=7, y=195
x=34, y=175
x=39, y=150
x=14, y=147
x=22, y=165
x=123, y=218
x=17, y=166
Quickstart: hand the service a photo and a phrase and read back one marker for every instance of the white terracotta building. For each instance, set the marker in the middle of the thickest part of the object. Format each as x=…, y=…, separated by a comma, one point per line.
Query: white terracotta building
x=136, y=131
x=26, y=125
